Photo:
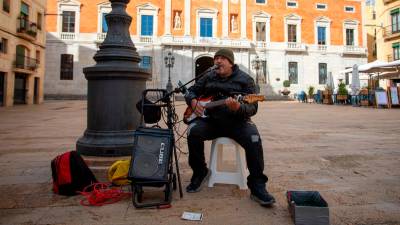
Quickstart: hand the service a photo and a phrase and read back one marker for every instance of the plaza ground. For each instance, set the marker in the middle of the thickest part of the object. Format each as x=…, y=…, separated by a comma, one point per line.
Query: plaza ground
x=349, y=154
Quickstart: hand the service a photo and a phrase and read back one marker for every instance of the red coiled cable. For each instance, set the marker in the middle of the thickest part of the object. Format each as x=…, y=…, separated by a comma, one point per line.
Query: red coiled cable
x=102, y=194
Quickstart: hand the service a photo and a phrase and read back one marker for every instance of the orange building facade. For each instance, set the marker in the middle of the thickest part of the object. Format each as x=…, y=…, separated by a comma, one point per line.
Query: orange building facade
x=273, y=40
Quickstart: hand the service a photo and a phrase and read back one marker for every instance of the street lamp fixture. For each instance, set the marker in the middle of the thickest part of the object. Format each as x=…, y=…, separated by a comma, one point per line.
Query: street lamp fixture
x=257, y=65
x=169, y=63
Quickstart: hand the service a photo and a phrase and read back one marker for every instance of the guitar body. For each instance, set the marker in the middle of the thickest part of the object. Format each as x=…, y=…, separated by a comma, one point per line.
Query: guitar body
x=207, y=103
x=189, y=115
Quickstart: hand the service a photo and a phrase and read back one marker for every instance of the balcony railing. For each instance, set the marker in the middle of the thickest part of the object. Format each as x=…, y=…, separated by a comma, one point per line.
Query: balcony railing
x=67, y=36
x=101, y=37
x=294, y=46
x=351, y=49
x=26, y=27
x=26, y=63
x=391, y=31
x=146, y=39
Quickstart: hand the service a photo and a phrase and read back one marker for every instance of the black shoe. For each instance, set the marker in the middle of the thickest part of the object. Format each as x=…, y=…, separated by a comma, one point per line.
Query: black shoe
x=197, y=182
x=260, y=195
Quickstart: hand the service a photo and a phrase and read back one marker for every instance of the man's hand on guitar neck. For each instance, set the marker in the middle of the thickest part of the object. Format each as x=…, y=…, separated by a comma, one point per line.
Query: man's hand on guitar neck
x=197, y=108
x=232, y=104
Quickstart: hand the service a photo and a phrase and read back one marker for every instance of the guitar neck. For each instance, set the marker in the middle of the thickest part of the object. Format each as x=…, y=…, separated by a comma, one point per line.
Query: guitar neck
x=215, y=104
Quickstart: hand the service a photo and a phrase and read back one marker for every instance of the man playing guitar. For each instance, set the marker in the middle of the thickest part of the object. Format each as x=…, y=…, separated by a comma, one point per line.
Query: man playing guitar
x=231, y=119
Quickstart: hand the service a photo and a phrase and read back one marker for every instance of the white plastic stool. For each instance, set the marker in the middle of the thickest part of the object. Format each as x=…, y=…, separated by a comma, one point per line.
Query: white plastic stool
x=239, y=177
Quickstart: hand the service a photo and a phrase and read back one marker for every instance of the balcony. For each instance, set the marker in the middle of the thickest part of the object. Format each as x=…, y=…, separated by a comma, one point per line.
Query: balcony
x=26, y=63
x=26, y=29
x=391, y=32
x=388, y=1
x=101, y=37
x=67, y=36
x=295, y=47
x=353, y=50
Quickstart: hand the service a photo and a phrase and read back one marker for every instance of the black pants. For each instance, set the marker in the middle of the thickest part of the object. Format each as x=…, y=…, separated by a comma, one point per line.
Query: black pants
x=244, y=132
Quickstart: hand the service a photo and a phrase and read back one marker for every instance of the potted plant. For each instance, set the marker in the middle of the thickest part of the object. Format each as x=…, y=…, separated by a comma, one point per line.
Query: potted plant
x=342, y=92
x=286, y=85
x=311, y=93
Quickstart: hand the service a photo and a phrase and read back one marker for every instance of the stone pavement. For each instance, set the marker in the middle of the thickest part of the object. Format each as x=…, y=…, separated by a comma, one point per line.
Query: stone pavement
x=350, y=155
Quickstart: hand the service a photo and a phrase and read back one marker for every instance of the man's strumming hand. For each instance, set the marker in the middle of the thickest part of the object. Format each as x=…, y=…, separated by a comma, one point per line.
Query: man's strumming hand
x=197, y=108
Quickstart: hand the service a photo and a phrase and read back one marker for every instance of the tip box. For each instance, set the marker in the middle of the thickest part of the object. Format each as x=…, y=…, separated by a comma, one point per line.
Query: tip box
x=308, y=208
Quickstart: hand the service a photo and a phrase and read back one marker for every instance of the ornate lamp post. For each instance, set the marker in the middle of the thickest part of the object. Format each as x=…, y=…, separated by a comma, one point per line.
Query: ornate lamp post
x=115, y=84
x=257, y=65
x=169, y=63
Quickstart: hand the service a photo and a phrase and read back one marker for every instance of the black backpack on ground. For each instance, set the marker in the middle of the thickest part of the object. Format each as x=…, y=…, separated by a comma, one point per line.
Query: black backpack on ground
x=70, y=174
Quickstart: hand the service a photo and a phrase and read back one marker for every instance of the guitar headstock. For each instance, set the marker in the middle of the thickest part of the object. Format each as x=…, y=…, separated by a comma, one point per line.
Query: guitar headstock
x=251, y=98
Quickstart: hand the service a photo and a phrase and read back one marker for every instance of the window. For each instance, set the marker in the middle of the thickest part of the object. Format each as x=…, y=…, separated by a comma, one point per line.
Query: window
x=24, y=9
x=395, y=18
x=68, y=21
x=292, y=37
x=39, y=21
x=291, y=4
x=104, y=27
x=206, y=29
x=24, y=17
x=260, y=1
x=350, y=37
x=261, y=27
x=147, y=25
x=349, y=9
x=6, y=6
x=146, y=63
x=321, y=6
x=3, y=45
x=396, y=51
x=260, y=31
x=322, y=72
x=293, y=72
x=67, y=67
x=322, y=35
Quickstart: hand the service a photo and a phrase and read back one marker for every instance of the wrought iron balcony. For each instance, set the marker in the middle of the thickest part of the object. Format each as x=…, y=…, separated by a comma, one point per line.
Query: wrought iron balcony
x=26, y=63
x=26, y=28
x=391, y=31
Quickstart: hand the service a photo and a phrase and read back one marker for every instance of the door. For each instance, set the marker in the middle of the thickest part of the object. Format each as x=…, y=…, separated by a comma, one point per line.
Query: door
x=2, y=75
x=19, y=88
x=202, y=64
x=36, y=90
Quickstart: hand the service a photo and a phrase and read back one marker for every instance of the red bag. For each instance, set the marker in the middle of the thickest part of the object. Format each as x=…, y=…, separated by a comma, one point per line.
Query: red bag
x=70, y=174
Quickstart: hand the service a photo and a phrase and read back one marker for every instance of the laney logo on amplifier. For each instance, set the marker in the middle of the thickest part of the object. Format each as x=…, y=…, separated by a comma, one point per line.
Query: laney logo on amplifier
x=161, y=155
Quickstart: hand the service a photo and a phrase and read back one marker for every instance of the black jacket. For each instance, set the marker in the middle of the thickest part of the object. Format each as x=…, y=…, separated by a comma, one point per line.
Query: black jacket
x=213, y=85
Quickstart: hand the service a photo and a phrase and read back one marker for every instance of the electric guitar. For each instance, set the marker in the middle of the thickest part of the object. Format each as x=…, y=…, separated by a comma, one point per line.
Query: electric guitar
x=207, y=103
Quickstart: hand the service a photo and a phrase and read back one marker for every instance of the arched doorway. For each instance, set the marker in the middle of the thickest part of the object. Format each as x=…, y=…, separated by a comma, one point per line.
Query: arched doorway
x=203, y=63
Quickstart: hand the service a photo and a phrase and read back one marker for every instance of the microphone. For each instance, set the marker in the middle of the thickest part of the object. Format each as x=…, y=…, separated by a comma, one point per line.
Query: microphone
x=181, y=88
x=215, y=67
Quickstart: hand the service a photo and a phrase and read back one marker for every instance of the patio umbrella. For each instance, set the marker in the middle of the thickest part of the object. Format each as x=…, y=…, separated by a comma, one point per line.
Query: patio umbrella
x=329, y=81
x=355, y=80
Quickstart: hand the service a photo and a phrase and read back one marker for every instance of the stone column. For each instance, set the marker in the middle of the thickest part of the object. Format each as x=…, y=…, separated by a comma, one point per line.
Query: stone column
x=115, y=84
x=225, y=18
x=187, y=17
x=243, y=15
x=167, y=21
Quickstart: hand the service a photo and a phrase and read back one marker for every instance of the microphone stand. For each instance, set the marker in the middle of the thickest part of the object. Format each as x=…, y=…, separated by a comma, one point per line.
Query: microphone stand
x=170, y=124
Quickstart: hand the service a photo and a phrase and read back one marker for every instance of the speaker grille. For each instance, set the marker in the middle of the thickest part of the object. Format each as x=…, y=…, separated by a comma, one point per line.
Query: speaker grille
x=145, y=165
x=151, y=155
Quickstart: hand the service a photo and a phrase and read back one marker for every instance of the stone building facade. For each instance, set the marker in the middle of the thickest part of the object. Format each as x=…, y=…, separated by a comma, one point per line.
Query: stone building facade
x=273, y=40
x=22, y=51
